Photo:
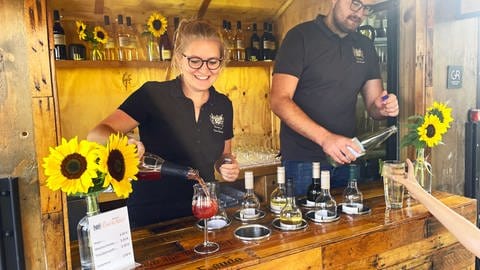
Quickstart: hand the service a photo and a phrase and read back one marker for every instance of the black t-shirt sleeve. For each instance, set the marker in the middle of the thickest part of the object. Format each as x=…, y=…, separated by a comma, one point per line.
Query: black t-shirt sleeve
x=291, y=55
x=374, y=67
x=229, y=120
x=136, y=104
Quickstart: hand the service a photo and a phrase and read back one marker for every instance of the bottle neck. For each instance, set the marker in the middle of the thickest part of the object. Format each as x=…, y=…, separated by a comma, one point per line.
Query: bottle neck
x=92, y=204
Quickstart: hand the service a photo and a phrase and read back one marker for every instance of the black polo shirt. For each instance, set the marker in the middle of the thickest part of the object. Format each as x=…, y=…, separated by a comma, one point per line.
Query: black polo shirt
x=331, y=72
x=168, y=128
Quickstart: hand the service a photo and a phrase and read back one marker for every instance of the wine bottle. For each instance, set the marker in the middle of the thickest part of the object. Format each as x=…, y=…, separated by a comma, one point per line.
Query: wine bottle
x=60, y=46
x=325, y=205
x=133, y=41
x=254, y=44
x=265, y=45
x=153, y=167
x=352, y=197
x=278, y=197
x=291, y=215
x=369, y=141
x=123, y=40
x=165, y=47
x=239, y=54
x=272, y=41
x=314, y=189
x=110, y=47
x=250, y=203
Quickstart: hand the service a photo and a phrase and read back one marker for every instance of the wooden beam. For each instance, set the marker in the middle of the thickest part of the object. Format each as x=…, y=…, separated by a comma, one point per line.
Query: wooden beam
x=203, y=8
x=99, y=5
x=282, y=9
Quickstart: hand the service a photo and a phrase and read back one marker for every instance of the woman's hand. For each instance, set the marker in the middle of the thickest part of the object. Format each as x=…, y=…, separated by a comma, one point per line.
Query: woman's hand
x=228, y=167
x=140, y=146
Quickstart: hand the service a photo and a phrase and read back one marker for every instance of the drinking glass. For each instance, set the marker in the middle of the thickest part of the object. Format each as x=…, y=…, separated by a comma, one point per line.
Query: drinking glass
x=205, y=206
x=393, y=190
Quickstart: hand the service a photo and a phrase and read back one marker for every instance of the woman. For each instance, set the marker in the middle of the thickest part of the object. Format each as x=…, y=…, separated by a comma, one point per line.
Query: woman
x=465, y=231
x=185, y=121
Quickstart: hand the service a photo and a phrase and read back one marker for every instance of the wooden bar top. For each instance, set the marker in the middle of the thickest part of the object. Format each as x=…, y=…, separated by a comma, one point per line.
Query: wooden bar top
x=395, y=239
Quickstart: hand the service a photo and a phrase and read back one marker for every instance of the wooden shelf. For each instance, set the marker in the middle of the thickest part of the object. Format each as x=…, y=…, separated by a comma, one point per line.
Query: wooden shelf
x=129, y=64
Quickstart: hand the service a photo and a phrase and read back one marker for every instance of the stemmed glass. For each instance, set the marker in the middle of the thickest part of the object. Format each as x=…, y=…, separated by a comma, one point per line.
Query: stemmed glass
x=205, y=206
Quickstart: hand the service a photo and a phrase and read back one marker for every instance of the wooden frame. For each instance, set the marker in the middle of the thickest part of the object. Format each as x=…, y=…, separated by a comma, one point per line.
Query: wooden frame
x=468, y=8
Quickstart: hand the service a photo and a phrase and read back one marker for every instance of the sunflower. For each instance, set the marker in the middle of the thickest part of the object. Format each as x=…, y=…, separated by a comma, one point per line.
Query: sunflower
x=119, y=163
x=72, y=166
x=99, y=35
x=157, y=24
x=431, y=130
x=81, y=28
x=443, y=112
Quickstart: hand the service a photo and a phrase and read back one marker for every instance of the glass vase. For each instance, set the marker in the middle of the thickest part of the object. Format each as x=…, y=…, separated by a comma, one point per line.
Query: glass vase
x=153, y=48
x=97, y=52
x=423, y=170
x=83, y=231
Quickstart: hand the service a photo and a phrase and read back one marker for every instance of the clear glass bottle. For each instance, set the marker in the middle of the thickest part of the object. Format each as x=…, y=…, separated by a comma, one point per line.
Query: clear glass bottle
x=239, y=43
x=369, y=141
x=250, y=203
x=60, y=46
x=325, y=205
x=278, y=197
x=314, y=189
x=352, y=197
x=134, y=41
x=291, y=215
x=111, y=46
x=83, y=231
x=123, y=40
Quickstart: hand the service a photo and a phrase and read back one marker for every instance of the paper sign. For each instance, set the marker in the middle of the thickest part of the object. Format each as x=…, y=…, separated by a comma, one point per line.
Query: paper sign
x=111, y=240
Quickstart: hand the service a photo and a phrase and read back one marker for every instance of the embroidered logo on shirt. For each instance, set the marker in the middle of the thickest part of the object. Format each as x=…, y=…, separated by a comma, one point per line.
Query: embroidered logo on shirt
x=358, y=55
x=217, y=122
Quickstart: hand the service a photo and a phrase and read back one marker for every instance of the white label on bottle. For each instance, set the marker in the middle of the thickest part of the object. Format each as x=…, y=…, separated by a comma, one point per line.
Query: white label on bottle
x=289, y=226
x=275, y=208
x=123, y=41
x=59, y=39
x=256, y=45
x=249, y=213
x=309, y=203
x=166, y=55
x=357, y=142
x=323, y=215
x=351, y=208
x=110, y=43
x=239, y=44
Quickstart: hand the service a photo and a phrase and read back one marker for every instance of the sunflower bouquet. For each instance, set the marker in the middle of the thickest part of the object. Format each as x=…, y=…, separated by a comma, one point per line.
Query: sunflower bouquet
x=427, y=131
x=85, y=167
x=155, y=28
x=97, y=37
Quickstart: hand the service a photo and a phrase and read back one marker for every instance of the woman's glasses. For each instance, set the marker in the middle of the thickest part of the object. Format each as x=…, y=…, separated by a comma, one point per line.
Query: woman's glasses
x=197, y=62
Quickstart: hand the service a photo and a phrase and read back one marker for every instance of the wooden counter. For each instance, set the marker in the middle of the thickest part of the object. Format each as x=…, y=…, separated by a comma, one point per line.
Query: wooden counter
x=394, y=239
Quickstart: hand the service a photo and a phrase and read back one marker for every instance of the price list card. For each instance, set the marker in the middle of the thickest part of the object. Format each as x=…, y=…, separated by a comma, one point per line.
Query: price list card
x=111, y=240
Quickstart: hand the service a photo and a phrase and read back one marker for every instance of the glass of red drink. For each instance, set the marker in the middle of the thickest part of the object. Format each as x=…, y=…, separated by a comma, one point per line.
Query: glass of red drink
x=205, y=206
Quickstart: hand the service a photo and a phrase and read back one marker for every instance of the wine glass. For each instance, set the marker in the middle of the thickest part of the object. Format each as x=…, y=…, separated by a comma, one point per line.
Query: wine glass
x=205, y=206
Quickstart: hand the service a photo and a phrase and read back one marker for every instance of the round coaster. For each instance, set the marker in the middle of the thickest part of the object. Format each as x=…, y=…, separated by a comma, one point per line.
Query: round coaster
x=252, y=232
x=354, y=209
x=259, y=214
x=215, y=223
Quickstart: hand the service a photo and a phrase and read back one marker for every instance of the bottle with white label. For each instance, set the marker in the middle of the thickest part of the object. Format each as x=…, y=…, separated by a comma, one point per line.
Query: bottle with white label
x=325, y=205
x=278, y=197
x=352, y=197
x=250, y=203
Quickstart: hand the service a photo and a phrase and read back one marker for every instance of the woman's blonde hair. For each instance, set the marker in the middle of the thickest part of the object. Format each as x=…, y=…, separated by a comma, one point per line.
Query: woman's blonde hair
x=190, y=30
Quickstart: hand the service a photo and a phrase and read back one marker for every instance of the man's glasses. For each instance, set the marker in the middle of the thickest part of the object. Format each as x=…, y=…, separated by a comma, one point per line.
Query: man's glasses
x=357, y=5
x=197, y=62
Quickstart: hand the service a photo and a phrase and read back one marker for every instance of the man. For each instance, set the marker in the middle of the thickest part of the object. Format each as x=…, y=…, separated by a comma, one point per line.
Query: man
x=320, y=68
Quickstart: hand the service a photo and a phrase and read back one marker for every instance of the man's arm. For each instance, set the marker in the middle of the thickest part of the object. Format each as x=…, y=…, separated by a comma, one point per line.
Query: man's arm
x=282, y=104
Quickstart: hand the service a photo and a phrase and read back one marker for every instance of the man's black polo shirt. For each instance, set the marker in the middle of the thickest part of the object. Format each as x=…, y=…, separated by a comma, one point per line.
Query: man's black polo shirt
x=331, y=72
x=168, y=128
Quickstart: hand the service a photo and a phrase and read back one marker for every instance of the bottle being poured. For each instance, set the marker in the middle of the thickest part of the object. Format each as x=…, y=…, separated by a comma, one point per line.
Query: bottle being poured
x=153, y=167
x=369, y=141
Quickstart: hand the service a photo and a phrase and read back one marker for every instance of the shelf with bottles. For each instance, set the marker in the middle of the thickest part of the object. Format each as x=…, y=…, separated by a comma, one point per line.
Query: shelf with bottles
x=159, y=64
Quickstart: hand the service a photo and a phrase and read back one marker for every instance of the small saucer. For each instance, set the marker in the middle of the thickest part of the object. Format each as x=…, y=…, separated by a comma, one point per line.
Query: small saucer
x=303, y=203
x=259, y=214
x=276, y=224
x=215, y=223
x=252, y=232
x=354, y=209
x=311, y=216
